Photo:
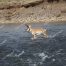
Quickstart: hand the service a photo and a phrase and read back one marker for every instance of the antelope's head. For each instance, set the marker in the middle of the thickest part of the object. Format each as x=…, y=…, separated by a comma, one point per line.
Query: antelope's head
x=28, y=27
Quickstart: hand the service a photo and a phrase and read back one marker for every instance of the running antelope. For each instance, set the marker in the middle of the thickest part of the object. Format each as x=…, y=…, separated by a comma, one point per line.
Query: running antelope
x=37, y=31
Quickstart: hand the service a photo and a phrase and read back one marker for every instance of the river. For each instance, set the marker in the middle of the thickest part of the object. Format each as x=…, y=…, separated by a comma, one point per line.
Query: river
x=17, y=48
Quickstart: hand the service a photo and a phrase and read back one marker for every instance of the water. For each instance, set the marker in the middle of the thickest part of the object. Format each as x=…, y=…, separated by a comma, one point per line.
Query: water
x=17, y=48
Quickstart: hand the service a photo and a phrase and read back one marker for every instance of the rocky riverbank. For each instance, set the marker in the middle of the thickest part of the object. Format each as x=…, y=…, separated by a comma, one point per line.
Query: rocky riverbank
x=42, y=12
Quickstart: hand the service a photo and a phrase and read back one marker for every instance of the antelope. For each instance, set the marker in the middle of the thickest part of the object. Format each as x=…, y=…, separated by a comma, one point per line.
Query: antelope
x=36, y=31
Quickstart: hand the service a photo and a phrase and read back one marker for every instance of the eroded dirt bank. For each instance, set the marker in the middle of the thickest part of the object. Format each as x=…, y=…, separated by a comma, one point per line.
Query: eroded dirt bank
x=44, y=12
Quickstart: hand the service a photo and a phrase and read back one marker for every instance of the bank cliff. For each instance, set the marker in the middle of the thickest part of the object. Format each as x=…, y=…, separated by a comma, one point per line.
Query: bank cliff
x=32, y=12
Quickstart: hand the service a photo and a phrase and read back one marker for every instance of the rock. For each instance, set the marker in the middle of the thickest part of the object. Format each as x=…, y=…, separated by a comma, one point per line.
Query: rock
x=20, y=3
x=32, y=2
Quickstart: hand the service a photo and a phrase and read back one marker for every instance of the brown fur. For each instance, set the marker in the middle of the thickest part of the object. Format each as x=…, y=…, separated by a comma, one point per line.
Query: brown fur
x=37, y=31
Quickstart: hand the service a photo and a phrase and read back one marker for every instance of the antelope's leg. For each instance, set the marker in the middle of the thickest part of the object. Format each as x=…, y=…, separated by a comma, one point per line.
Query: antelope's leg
x=45, y=34
x=34, y=37
x=28, y=29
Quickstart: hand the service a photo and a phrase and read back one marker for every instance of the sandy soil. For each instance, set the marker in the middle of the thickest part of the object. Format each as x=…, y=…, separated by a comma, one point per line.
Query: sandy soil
x=45, y=12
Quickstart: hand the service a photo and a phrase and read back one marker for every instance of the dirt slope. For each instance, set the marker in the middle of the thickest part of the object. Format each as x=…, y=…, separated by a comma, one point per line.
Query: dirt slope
x=43, y=12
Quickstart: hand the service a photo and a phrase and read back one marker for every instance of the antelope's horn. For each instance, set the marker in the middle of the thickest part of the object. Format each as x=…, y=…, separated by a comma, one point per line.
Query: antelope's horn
x=26, y=25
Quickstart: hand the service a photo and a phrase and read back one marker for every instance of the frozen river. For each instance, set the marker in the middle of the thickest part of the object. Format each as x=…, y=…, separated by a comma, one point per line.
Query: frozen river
x=17, y=48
